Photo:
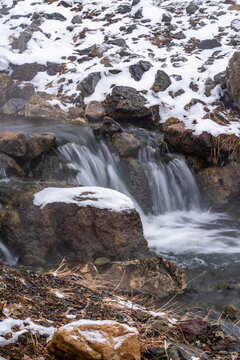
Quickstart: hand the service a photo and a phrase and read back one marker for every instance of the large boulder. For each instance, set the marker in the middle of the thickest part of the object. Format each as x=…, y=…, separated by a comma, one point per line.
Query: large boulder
x=125, y=104
x=233, y=78
x=95, y=340
x=156, y=276
x=221, y=185
x=125, y=144
x=79, y=224
x=23, y=147
x=213, y=150
x=37, y=107
x=10, y=167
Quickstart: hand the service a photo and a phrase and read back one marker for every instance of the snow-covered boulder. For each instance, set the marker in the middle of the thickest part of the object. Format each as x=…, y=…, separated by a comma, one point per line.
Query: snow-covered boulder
x=93, y=340
x=79, y=224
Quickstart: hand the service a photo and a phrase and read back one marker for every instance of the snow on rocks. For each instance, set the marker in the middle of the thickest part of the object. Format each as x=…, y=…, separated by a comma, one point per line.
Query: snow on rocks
x=79, y=224
x=191, y=40
x=88, y=339
x=97, y=197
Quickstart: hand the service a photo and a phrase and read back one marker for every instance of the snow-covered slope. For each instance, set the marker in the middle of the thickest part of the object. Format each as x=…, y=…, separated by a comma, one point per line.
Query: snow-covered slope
x=170, y=35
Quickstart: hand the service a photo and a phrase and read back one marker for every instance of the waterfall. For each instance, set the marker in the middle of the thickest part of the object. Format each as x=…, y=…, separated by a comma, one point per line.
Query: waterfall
x=8, y=258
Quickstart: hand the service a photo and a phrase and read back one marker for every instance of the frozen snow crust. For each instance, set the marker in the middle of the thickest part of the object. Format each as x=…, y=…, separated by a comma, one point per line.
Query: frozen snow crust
x=169, y=47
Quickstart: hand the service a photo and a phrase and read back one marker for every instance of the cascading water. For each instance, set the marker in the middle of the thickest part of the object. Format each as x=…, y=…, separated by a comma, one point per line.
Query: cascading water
x=178, y=222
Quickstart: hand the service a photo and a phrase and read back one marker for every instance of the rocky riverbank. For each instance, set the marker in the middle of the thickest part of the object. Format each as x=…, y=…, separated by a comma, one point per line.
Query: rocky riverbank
x=35, y=303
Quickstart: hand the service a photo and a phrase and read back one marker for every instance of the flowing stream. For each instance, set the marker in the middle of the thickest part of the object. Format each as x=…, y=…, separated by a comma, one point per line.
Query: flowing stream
x=177, y=223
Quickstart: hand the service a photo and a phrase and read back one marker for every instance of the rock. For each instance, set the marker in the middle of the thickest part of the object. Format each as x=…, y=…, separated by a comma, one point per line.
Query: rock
x=125, y=144
x=231, y=312
x=166, y=18
x=137, y=70
x=94, y=110
x=162, y=81
x=118, y=42
x=13, y=106
x=78, y=224
x=110, y=127
x=55, y=16
x=77, y=19
x=10, y=166
x=220, y=79
x=98, y=50
x=221, y=185
x=25, y=91
x=209, y=44
x=233, y=78
x=131, y=28
x=5, y=83
x=137, y=182
x=95, y=340
x=185, y=352
x=214, y=150
x=36, y=107
x=191, y=8
x=23, y=147
x=156, y=276
x=127, y=105
x=135, y=2
x=53, y=68
x=27, y=71
x=194, y=329
x=101, y=261
x=124, y=8
x=87, y=86
x=235, y=25
x=138, y=14
x=21, y=42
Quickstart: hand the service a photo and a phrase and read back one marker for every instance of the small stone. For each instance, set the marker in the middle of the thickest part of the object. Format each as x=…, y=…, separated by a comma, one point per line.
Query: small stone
x=117, y=42
x=77, y=19
x=162, y=81
x=97, y=50
x=130, y=28
x=135, y=2
x=55, y=16
x=235, y=25
x=101, y=261
x=191, y=9
x=13, y=106
x=126, y=144
x=124, y=8
x=94, y=110
x=87, y=86
x=166, y=18
x=137, y=70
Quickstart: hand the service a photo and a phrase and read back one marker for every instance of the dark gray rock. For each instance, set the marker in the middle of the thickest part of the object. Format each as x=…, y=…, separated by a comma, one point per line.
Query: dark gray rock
x=209, y=44
x=13, y=106
x=24, y=92
x=77, y=19
x=167, y=18
x=127, y=105
x=110, y=127
x=233, y=78
x=87, y=86
x=138, y=14
x=124, y=8
x=26, y=72
x=162, y=81
x=235, y=25
x=55, y=16
x=117, y=42
x=130, y=28
x=135, y=2
x=220, y=79
x=85, y=51
x=137, y=70
x=21, y=42
x=192, y=8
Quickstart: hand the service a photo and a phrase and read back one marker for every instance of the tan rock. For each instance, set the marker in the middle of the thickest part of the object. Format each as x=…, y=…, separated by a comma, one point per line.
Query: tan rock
x=5, y=82
x=94, y=111
x=156, y=276
x=39, y=108
x=126, y=144
x=25, y=147
x=96, y=340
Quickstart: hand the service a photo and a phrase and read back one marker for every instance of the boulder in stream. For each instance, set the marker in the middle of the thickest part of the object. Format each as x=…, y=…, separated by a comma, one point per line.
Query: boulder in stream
x=79, y=224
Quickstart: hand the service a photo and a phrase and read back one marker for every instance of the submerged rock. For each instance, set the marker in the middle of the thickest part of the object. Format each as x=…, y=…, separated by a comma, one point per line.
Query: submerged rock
x=95, y=340
x=79, y=224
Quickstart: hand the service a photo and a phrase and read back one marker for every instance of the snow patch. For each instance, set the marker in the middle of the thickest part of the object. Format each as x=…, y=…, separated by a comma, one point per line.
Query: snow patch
x=98, y=197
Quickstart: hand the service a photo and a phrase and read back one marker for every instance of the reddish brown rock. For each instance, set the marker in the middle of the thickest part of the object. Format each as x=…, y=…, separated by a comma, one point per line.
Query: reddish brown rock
x=125, y=144
x=194, y=329
x=70, y=230
x=96, y=340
